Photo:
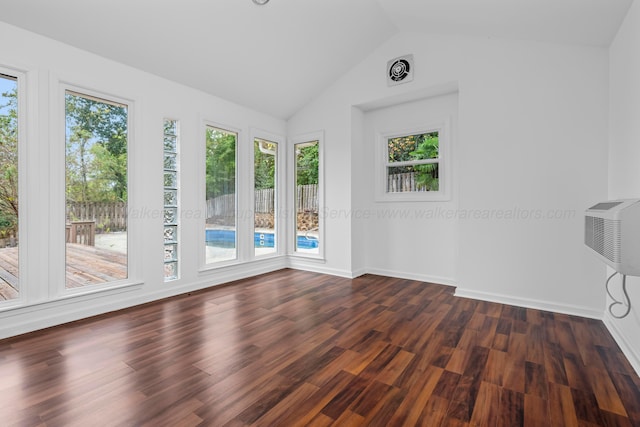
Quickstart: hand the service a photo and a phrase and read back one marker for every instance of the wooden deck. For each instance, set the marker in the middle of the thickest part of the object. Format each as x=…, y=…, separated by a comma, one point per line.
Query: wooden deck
x=86, y=265
x=8, y=273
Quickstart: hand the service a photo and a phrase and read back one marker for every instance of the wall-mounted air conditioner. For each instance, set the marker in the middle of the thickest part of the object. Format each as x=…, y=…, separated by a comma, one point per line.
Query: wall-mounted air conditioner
x=612, y=230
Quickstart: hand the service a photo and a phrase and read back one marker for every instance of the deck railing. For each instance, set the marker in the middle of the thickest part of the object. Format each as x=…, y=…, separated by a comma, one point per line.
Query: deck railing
x=81, y=232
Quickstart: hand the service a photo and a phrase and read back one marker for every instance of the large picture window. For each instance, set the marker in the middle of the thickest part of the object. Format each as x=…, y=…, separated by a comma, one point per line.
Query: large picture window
x=9, y=266
x=96, y=190
x=220, y=189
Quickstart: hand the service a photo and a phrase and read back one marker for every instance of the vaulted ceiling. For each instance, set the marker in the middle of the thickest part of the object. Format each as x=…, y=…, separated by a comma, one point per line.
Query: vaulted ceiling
x=277, y=57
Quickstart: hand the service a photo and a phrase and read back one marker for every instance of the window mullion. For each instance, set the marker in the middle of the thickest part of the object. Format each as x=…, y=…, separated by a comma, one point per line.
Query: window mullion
x=413, y=162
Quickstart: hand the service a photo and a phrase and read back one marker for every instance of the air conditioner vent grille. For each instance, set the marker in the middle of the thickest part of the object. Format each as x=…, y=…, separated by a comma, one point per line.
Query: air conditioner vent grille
x=603, y=236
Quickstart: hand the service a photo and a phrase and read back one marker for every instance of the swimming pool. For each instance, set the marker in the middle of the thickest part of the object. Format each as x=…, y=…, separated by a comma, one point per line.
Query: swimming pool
x=227, y=239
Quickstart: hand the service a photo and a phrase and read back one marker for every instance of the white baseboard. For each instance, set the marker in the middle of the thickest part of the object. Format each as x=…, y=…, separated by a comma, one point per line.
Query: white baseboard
x=623, y=342
x=411, y=276
x=323, y=270
x=530, y=303
x=317, y=266
x=359, y=272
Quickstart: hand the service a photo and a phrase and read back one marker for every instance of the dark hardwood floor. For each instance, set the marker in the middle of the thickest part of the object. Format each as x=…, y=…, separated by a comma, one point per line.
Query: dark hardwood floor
x=295, y=348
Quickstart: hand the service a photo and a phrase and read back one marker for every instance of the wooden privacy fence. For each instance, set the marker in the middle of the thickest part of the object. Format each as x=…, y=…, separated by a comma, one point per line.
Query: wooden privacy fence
x=222, y=208
x=108, y=216
x=225, y=206
x=112, y=216
x=264, y=201
x=402, y=182
x=307, y=198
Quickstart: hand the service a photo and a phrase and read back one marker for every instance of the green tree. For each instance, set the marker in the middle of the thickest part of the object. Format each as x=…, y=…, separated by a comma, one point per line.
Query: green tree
x=96, y=149
x=426, y=148
x=220, y=163
x=9, y=160
x=416, y=147
x=264, y=165
x=109, y=177
x=307, y=164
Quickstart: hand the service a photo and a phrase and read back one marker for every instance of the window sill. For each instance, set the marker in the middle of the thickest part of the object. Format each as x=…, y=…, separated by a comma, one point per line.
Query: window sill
x=308, y=257
x=98, y=289
x=222, y=265
x=413, y=197
x=82, y=294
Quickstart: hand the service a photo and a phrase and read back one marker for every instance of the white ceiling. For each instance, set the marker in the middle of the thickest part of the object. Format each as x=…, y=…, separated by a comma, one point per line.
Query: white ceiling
x=276, y=58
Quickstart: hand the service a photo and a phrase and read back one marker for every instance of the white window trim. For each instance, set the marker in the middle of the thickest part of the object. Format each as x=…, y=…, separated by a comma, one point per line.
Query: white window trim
x=202, y=174
x=23, y=280
x=444, y=164
x=279, y=223
x=291, y=242
x=58, y=200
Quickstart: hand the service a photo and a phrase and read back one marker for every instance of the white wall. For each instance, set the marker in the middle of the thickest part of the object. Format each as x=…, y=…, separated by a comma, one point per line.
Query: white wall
x=48, y=63
x=533, y=130
x=409, y=239
x=532, y=135
x=336, y=186
x=624, y=158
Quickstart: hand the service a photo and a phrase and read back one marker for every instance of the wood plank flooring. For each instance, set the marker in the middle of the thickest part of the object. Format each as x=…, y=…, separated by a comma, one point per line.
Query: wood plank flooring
x=294, y=348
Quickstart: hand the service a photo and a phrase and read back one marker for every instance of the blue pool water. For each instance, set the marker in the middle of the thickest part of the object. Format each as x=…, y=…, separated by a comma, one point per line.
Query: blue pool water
x=227, y=239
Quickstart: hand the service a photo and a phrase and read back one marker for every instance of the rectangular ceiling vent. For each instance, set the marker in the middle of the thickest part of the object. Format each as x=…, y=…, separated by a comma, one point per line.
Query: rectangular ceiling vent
x=612, y=230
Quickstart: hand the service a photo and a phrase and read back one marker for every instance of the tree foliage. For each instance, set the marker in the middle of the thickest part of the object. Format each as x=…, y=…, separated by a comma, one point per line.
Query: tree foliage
x=264, y=165
x=417, y=147
x=220, y=162
x=9, y=160
x=307, y=164
x=427, y=174
x=96, y=150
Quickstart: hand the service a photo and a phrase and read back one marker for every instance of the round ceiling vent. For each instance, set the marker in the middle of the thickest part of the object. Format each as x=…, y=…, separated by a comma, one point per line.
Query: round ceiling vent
x=400, y=70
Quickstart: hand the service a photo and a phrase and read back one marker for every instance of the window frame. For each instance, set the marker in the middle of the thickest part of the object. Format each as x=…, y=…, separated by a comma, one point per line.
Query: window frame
x=293, y=226
x=280, y=191
x=239, y=258
x=20, y=77
x=444, y=164
x=57, y=236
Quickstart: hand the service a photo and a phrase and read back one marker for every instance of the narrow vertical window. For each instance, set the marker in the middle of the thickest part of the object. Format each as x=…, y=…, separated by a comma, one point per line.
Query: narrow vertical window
x=9, y=283
x=307, y=170
x=220, y=188
x=96, y=190
x=265, y=162
x=171, y=210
